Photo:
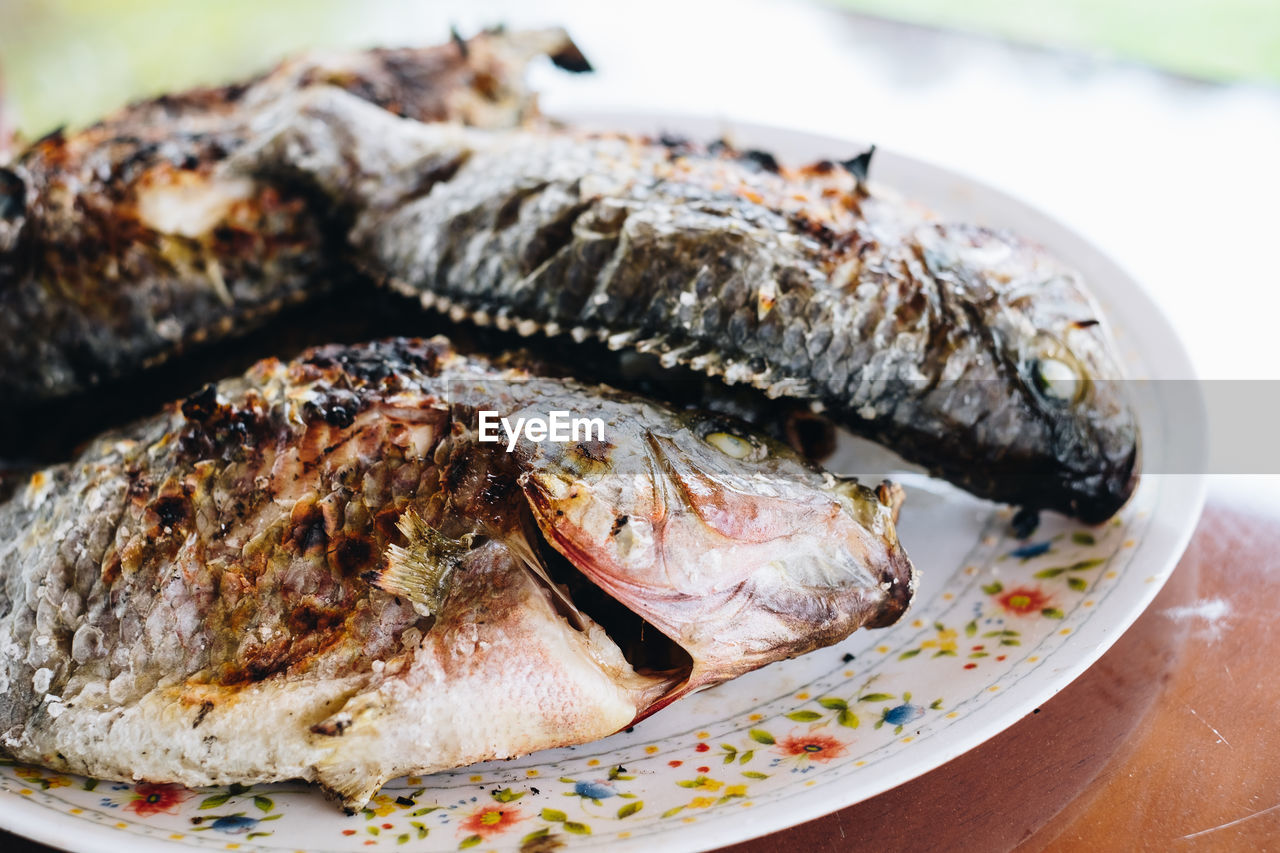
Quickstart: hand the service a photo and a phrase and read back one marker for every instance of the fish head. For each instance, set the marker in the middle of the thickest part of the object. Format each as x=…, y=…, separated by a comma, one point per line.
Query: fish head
x=1051, y=382
x=723, y=541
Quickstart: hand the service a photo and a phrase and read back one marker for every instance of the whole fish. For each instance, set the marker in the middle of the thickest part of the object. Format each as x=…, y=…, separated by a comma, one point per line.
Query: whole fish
x=964, y=349
x=323, y=570
x=120, y=245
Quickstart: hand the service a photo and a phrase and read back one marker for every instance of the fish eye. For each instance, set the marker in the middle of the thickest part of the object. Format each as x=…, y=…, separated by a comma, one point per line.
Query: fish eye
x=731, y=445
x=1056, y=379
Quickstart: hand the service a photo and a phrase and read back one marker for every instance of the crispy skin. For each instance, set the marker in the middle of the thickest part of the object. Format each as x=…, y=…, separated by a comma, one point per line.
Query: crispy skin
x=947, y=343
x=230, y=591
x=120, y=245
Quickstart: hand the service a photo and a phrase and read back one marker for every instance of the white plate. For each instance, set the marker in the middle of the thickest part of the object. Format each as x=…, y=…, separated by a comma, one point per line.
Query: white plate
x=994, y=633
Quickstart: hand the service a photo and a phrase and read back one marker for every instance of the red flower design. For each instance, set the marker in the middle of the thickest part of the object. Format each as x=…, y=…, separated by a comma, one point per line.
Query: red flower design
x=154, y=799
x=815, y=747
x=1025, y=600
x=492, y=819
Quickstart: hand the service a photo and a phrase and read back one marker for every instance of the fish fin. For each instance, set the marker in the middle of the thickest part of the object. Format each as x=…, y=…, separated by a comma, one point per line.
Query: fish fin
x=421, y=570
x=859, y=166
x=342, y=773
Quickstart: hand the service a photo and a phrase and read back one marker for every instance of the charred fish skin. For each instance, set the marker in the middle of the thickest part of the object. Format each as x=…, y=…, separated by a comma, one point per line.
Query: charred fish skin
x=964, y=349
x=121, y=245
x=318, y=571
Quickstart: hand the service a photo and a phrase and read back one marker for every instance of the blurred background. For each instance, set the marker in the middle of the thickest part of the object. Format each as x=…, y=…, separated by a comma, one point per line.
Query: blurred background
x=1149, y=126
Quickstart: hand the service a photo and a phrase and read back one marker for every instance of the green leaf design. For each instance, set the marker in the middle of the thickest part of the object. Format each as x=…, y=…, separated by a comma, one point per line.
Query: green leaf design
x=576, y=828
x=804, y=716
x=1085, y=565
x=506, y=795
x=275, y=816
x=1080, y=537
x=971, y=628
x=674, y=811
x=537, y=833
x=875, y=697
x=237, y=789
x=848, y=718
x=373, y=830
x=264, y=804
x=751, y=774
x=402, y=838
x=909, y=653
x=747, y=756
x=1050, y=573
x=424, y=810
x=470, y=841
x=833, y=704
x=1052, y=613
x=993, y=588
x=214, y=801
x=761, y=736
x=90, y=784
x=936, y=704
x=554, y=816
x=1078, y=584
x=630, y=808
x=1010, y=642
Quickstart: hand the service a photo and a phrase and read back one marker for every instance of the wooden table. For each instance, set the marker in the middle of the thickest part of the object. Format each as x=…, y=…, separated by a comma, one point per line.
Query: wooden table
x=1167, y=743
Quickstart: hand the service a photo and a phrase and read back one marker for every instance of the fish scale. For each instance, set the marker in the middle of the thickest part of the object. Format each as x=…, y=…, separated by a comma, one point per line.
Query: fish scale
x=318, y=571
x=604, y=236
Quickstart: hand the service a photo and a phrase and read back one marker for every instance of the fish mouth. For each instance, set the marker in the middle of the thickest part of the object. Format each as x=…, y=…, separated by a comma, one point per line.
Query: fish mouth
x=661, y=666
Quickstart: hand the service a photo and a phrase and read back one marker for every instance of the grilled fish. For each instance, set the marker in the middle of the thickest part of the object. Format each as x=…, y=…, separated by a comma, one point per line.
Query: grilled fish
x=964, y=349
x=120, y=245
x=323, y=571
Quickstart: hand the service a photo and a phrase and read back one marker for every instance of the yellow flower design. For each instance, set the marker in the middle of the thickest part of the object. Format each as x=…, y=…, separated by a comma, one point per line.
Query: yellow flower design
x=705, y=784
x=735, y=791
x=944, y=642
x=382, y=805
x=700, y=802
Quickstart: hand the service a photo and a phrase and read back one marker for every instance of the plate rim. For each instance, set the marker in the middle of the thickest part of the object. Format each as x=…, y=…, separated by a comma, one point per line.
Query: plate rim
x=1184, y=507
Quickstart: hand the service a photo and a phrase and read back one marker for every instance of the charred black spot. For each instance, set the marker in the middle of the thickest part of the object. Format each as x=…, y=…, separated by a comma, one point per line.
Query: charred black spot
x=350, y=555
x=404, y=802
x=571, y=59
x=201, y=405
x=1085, y=324
x=13, y=195
x=618, y=524
x=762, y=159
x=205, y=708
x=308, y=531
x=596, y=451
x=308, y=617
x=675, y=141
x=172, y=511
x=848, y=658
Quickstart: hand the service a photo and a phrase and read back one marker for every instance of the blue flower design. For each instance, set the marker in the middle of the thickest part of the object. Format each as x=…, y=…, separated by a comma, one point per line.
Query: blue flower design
x=234, y=824
x=1026, y=552
x=903, y=714
x=594, y=790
